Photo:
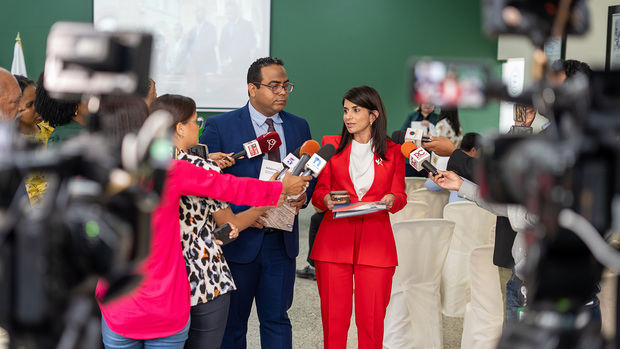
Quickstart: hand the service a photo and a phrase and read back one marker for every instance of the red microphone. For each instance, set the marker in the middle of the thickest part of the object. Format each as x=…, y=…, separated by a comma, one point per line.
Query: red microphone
x=265, y=143
x=418, y=158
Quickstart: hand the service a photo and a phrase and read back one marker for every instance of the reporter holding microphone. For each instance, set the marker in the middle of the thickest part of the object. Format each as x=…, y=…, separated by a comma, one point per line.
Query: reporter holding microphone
x=361, y=249
x=157, y=312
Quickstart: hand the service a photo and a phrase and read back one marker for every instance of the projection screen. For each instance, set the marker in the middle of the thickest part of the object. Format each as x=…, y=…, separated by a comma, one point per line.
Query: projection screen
x=202, y=48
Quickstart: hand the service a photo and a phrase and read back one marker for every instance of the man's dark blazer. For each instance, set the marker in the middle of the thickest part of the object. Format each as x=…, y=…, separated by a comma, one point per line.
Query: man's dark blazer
x=464, y=165
x=226, y=133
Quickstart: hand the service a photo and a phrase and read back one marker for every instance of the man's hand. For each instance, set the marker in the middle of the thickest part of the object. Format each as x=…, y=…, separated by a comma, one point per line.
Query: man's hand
x=388, y=200
x=293, y=185
x=447, y=180
x=223, y=160
x=299, y=202
x=441, y=146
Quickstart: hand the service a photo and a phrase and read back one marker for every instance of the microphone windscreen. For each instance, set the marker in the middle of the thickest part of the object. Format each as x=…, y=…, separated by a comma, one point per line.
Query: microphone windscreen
x=309, y=147
x=326, y=152
x=296, y=152
x=398, y=136
x=407, y=148
x=269, y=142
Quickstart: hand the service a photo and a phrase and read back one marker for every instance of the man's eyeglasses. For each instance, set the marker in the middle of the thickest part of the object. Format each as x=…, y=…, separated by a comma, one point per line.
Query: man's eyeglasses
x=288, y=87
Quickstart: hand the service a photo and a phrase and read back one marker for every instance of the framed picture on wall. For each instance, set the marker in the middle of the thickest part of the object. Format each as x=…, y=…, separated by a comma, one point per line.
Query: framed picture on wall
x=612, y=60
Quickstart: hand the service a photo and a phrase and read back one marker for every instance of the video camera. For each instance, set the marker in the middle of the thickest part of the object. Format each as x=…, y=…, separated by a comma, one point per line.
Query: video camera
x=94, y=221
x=570, y=170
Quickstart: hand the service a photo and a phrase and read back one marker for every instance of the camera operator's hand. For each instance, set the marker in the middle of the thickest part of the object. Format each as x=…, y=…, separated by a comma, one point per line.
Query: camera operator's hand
x=441, y=146
x=293, y=185
x=223, y=160
x=447, y=180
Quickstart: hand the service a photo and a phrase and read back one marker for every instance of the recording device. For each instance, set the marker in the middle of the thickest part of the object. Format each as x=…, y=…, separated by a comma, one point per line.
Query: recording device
x=222, y=233
x=449, y=83
x=82, y=61
x=340, y=195
x=94, y=221
x=572, y=167
x=265, y=143
x=400, y=136
x=317, y=162
x=308, y=149
x=199, y=150
x=419, y=158
x=289, y=162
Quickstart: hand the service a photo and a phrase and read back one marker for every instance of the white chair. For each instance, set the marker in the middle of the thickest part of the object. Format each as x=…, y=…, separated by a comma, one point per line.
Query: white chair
x=607, y=296
x=484, y=315
x=413, y=210
x=413, y=318
x=436, y=200
x=473, y=225
x=413, y=183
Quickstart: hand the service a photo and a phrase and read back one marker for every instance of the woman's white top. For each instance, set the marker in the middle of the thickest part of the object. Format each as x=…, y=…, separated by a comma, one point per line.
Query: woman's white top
x=361, y=167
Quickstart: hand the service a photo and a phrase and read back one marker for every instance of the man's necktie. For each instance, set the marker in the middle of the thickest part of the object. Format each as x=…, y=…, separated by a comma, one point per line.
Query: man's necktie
x=274, y=155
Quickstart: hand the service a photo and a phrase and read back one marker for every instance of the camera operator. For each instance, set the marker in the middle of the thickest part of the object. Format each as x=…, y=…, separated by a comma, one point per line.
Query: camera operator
x=464, y=166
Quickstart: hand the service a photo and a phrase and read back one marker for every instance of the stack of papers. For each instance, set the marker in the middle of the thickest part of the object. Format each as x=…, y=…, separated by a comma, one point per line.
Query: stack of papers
x=357, y=209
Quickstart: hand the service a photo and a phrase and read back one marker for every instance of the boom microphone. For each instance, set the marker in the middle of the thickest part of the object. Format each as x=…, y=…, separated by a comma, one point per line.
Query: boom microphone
x=307, y=151
x=265, y=143
x=317, y=162
x=418, y=158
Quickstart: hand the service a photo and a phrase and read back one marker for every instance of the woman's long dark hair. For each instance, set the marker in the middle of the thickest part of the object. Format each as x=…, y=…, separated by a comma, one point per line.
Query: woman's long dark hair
x=367, y=97
x=452, y=115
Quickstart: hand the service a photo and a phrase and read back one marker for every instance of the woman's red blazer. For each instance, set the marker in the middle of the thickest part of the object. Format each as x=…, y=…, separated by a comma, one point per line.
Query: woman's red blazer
x=366, y=239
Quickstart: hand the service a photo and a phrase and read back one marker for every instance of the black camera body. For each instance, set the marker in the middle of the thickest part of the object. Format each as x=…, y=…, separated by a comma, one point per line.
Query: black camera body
x=572, y=166
x=94, y=222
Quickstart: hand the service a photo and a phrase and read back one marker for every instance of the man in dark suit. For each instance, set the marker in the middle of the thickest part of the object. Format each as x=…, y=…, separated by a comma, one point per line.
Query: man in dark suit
x=262, y=260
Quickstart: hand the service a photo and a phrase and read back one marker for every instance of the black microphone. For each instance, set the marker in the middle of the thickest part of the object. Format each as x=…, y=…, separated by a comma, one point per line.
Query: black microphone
x=317, y=162
x=289, y=162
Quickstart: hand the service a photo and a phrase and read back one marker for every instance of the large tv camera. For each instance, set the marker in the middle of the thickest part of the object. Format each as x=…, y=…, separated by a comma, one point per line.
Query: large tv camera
x=94, y=220
x=568, y=176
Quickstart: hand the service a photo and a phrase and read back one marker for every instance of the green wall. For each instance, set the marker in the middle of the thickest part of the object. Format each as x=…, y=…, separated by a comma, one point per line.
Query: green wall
x=327, y=46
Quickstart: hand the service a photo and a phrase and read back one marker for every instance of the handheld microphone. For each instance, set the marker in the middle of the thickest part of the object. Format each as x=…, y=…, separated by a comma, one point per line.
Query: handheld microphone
x=401, y=137
x=418, y=158
x=307, y=151
x=317, y=162
x=289, y=162
x=265, y=143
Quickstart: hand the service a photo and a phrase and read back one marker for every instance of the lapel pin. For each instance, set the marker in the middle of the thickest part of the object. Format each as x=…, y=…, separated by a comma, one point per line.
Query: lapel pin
x=379, y=161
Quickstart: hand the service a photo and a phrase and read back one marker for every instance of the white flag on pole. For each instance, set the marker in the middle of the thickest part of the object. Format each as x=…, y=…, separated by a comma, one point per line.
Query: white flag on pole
x=19, y=63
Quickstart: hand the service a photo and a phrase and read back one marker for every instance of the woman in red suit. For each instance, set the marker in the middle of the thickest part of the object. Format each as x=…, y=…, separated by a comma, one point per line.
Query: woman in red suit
x=359, y=249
